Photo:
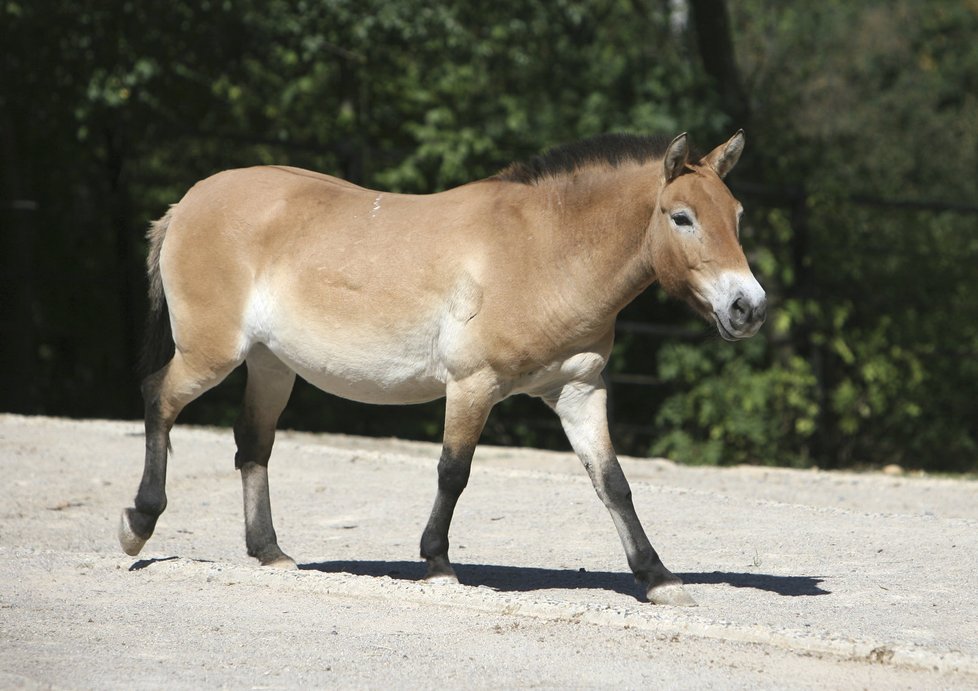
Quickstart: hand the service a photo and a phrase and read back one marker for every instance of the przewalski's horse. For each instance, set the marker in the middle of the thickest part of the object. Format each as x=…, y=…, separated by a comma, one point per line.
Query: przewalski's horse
x=506, y=285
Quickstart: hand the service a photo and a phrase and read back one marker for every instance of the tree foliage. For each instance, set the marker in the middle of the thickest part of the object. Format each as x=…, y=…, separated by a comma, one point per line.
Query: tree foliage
x=110, y=110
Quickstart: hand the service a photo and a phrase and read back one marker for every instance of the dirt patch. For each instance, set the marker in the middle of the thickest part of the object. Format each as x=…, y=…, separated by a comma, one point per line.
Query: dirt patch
x=804, y=579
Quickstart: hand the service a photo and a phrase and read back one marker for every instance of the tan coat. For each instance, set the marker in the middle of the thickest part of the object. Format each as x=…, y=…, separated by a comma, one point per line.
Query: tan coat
x=506, y=285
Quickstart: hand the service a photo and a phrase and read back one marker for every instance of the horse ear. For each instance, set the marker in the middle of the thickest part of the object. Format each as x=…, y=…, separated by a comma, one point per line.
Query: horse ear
x=675, y=158
x=723, y=158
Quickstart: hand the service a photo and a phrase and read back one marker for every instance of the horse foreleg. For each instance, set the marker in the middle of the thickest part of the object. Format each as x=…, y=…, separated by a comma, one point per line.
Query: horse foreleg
x=266, y=393
x=582, y=408
x=467, y=405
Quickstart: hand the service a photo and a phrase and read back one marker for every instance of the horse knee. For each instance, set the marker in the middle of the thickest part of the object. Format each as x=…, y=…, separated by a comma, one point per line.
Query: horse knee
x=614, y=497
x=613, y=489
x=254, y=444
x=453, y=475
x=150, y=388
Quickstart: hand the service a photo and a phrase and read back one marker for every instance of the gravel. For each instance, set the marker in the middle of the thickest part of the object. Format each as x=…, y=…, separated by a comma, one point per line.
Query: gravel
x=805, y=579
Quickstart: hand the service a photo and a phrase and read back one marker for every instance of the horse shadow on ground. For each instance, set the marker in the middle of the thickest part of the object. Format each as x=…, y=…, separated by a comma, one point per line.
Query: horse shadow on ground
x=141, y=564
x=525, y=579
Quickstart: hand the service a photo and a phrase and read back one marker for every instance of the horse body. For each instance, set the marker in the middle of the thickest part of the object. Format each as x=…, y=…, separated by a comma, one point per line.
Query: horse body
x=497, y=287
x=377, y=297
x=304, y=266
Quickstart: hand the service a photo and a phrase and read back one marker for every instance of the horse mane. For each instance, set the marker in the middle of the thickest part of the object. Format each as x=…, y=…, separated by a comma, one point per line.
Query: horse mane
x=604, y=149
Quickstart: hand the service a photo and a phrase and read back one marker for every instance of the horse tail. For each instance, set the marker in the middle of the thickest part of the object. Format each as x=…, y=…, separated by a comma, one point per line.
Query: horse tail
x=158, y=345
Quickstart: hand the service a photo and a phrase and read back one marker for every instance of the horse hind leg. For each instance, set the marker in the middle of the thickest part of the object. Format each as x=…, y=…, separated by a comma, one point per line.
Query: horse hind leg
x=266, y=393
x=165, y=393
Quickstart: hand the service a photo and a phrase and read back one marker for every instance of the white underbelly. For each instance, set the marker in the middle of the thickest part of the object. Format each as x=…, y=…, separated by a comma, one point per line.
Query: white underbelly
x=384, y=371
x=395, y=363
x=361, y=351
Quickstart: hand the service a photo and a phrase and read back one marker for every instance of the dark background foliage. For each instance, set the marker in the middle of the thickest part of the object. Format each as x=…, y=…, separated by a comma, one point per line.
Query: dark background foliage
x=860, y=183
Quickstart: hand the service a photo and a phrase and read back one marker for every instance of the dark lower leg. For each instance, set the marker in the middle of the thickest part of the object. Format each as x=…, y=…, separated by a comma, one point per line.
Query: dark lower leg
x=467, y=405
x=661, y=585
x=139, y=522
x=165, y=394
x=260, y=538
x=267, y=392
x=583, y=415
x=453, y=475
x=613, y=490
x=150, y=499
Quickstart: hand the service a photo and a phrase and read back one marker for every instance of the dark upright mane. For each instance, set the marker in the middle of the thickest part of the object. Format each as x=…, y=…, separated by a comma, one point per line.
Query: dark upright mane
x=607, y=149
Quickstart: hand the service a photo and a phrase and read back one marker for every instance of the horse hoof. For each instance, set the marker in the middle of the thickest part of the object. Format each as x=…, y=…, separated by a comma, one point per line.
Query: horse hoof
x=284, y=562
x=442, y=579
x=670, y=594
x=130, y=541
x=440, y=571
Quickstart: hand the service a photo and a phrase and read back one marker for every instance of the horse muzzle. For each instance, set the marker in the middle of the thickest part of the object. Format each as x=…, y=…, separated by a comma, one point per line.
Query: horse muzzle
x=742, y=317
x=738, y=305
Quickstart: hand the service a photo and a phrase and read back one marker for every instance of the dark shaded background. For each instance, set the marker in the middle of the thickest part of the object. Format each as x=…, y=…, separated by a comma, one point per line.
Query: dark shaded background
x=859, y=182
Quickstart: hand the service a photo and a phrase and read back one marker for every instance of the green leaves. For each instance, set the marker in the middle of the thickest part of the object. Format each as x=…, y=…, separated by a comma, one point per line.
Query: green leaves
x=870, y=353
x=730, y=408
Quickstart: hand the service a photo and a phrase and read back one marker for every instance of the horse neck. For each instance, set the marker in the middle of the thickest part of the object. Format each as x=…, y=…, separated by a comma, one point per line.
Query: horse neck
x=600, y=235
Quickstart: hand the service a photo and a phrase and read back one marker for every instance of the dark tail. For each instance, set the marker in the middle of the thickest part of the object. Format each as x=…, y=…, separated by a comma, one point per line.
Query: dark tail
x=158, y=344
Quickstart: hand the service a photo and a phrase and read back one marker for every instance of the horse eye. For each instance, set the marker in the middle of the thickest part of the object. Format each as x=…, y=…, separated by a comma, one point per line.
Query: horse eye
x=682, y=219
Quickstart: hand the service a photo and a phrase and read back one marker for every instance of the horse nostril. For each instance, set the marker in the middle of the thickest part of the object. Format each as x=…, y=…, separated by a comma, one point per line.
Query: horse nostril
x=740, y=313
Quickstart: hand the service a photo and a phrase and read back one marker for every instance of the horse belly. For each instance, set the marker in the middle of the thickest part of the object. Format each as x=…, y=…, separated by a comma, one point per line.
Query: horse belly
x=380, y=370
x=359, y=360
